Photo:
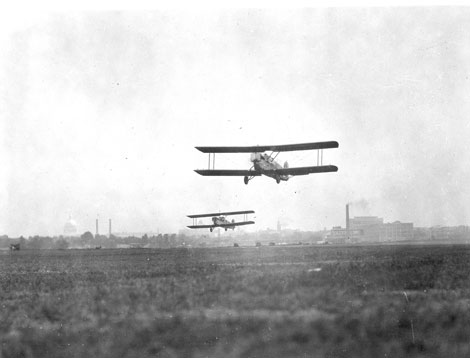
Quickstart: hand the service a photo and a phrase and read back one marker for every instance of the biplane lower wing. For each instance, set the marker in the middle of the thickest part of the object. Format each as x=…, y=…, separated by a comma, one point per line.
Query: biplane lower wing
x=304, y=170
x=283, y=171
x=237, y=224
x=201, y=226
x=221, y=225
x=228, y=172
x=274, y=148
x=221, y=214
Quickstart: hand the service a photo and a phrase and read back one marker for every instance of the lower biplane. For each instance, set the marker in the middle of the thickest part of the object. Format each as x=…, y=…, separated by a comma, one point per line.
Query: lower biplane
x=265, y=164
x=220, y=220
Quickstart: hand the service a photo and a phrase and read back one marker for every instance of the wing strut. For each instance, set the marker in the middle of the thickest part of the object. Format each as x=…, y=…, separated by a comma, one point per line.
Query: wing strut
x=209, y=161
x=271, y=158
x=319, y=157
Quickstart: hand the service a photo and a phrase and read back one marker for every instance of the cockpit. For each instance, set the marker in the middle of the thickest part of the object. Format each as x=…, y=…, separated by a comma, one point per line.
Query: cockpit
x=256, y=157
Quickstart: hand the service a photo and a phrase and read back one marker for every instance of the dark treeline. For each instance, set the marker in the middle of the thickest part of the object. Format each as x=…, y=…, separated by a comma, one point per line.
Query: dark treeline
x=36, y=242
x=88, y=240
x=202, y=239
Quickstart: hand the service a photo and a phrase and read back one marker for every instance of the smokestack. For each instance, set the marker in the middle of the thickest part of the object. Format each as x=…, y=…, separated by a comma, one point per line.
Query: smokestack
x=97, y=231
x=347, y=221
x=109, y=228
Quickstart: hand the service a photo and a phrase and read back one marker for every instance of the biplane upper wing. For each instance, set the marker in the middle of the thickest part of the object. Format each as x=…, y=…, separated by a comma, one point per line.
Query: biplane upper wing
x=227, y=172
x=201, y=226
x=224, y=213
x=274, y=148
x=237, y=224
x=306, y=170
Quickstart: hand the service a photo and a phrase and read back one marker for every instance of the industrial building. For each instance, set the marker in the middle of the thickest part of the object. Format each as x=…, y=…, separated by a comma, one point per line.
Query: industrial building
x=340, y=235
x=370, y=226
x=97, y=234
x=370, y=229
x=396, y=231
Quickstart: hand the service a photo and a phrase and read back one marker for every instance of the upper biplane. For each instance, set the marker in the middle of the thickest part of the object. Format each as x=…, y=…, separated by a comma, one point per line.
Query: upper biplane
x=219, y=220
x=265, y=164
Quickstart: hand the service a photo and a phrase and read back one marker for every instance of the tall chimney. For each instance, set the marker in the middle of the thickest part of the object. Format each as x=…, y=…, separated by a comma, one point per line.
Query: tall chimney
x=347, y=221
x=109, y=228
x=97, y=231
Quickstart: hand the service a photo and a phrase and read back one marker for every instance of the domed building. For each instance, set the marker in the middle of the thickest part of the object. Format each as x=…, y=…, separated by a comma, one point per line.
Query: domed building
x=70, y=227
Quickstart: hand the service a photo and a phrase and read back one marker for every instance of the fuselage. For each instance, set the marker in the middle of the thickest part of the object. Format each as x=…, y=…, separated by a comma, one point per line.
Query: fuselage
x=265, y=164
x=221, y=220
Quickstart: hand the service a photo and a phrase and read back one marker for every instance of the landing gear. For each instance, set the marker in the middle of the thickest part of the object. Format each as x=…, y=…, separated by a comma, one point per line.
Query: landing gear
x=211, y=229
x=278, y=179
x=225, y=229
x=245, y=179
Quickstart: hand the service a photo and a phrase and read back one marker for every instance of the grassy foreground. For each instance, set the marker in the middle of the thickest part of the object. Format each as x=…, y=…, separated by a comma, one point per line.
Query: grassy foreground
x=369, y=301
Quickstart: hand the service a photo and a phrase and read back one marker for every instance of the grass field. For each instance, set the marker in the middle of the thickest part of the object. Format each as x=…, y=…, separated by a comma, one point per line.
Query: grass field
x=304, y=301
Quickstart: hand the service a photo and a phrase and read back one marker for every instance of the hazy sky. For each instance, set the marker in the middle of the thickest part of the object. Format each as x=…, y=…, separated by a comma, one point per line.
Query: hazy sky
x=100, y=113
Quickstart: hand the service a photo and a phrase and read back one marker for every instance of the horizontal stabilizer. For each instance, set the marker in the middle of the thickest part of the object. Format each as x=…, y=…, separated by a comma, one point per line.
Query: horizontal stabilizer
x=219, y=214
x=274, y=148
x=227, y=172
x=305, y=170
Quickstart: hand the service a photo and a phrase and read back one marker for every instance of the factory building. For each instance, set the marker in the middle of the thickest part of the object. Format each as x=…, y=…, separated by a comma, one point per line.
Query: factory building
x=370, y=229
x=370, y=226
x=340, y=235
x=396, y=231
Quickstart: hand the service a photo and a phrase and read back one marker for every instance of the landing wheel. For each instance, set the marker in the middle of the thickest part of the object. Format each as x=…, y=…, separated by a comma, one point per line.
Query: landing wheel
x=278, y=180
x=211, y=229
x=225, y=229
x=245, y=179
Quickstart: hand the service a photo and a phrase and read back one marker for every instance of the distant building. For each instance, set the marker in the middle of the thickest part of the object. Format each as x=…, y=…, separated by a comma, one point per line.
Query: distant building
x=396, y=231
x=370, y=229
x=134, y=234
x=449, y=232
x=369, y=225
x=340, y=235
x=70, y=227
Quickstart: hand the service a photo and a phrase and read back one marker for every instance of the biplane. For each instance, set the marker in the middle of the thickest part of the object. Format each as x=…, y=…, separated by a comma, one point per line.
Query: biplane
x=265, y=164
x=220, y=220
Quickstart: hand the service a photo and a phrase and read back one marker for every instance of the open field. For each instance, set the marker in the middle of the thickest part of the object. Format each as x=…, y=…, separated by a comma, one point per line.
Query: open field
x=302, y=301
